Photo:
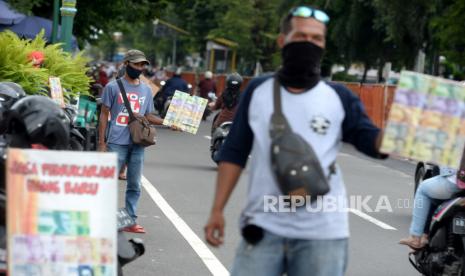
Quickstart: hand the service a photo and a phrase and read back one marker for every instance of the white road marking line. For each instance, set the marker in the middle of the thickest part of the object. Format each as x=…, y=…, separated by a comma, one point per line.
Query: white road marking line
x=371, y=219
x=208, y=137
x=208, y=258
x=378, y=165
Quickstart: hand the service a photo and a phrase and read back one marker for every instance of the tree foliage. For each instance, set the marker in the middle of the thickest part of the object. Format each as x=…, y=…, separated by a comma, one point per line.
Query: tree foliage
x=450, y=31
x=16, y=66
x=370, y=32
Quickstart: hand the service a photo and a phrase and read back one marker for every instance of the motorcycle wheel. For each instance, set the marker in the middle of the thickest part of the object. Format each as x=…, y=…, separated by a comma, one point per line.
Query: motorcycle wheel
x=75, y=145
x=214, y=150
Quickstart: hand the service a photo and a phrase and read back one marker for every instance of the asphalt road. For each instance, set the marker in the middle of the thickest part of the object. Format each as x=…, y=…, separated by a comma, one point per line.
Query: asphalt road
x=181, y=177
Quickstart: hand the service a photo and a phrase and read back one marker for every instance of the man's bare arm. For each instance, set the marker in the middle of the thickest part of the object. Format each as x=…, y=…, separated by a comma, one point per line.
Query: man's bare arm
x=226, y=180
x=228, y=175
x=154, y=119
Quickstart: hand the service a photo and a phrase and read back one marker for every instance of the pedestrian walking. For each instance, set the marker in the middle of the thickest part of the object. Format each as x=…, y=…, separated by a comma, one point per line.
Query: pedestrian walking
x=297, y=241
x=140, y=98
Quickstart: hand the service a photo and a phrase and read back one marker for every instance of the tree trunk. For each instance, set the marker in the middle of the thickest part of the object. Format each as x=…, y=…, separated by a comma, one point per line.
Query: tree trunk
x=436, y=63
x=365, y=72
x=380, y=71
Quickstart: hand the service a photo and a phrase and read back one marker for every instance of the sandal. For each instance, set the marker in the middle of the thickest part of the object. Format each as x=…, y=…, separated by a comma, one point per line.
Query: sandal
x=135, y=229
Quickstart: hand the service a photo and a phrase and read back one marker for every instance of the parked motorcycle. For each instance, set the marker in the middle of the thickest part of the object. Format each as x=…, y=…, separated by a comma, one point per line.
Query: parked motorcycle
x=445, y=252
x=10, y=92
x=3, y=241
x=81, y=138
x=37, y=119
x=76, y=139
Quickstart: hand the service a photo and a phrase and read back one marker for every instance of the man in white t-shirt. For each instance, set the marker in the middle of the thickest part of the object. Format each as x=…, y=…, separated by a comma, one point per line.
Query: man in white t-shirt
x=302, y=241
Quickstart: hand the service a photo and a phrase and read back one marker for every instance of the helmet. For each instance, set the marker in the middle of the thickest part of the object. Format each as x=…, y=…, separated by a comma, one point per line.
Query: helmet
x=231, y=93
x=43, y=121
x=178, y=71
x=233, y=82
x=9, y=93
x=208, y=75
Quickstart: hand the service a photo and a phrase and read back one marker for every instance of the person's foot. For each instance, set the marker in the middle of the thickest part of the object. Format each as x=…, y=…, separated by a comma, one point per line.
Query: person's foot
x=136, y=228
x=413, y=242
x=122, y=177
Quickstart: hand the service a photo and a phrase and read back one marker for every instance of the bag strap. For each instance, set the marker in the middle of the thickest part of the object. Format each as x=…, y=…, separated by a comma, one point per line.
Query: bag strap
x=125, y=99
x=279, y=123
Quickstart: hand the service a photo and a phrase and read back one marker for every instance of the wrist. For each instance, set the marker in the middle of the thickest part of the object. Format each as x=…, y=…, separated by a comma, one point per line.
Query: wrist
x=216, y=210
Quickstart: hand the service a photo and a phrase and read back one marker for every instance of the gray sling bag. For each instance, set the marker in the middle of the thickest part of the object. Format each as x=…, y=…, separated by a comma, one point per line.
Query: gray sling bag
x=294, y=162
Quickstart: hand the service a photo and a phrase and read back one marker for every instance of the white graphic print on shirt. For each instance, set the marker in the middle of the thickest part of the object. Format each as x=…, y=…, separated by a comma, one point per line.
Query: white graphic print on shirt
x=320, y=124
x=123, y=117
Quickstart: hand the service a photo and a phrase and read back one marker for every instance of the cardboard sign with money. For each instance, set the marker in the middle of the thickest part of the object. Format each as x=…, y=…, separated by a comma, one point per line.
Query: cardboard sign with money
x=427, y=120
x=56, y=91
x=185, y=112
x=61, y=213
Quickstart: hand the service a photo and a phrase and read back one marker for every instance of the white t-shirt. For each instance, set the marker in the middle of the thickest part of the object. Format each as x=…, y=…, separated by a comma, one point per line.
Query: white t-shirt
x=324, y=116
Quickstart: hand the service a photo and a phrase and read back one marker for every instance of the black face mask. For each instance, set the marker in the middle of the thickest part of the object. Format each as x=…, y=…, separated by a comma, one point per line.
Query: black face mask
x=301, y=65
x=230, y=97
x=132, y=72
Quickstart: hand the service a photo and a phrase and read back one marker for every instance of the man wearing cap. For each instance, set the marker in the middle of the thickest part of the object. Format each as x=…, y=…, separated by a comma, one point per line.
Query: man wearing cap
x=119, y=140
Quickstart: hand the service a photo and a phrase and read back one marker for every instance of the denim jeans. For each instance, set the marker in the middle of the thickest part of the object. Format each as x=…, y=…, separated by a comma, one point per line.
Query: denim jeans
x=438, y=187
x=275, y=255
x=133, y=156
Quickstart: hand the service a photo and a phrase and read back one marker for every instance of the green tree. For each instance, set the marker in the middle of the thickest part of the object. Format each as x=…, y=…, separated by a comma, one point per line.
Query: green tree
x=97, y=17
x=406, y=24
x=450, y=31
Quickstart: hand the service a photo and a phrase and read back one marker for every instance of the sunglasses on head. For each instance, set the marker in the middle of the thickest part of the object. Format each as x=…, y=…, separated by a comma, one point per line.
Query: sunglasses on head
x=305, y=11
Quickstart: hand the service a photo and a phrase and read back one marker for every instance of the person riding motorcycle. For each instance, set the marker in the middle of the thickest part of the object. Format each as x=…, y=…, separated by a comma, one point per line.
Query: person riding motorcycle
x=228, y=101
x=206, y=85
x=175, y=83
x=440, y=187
x=171, y=85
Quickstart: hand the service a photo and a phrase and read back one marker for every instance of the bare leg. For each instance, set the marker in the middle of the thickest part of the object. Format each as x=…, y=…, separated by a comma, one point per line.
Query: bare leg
x=122, y=172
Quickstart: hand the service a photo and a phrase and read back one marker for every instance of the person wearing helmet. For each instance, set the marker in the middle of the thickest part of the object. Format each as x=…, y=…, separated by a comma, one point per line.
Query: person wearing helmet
x=41, y=120
x=206, y=85
x=228, y=101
